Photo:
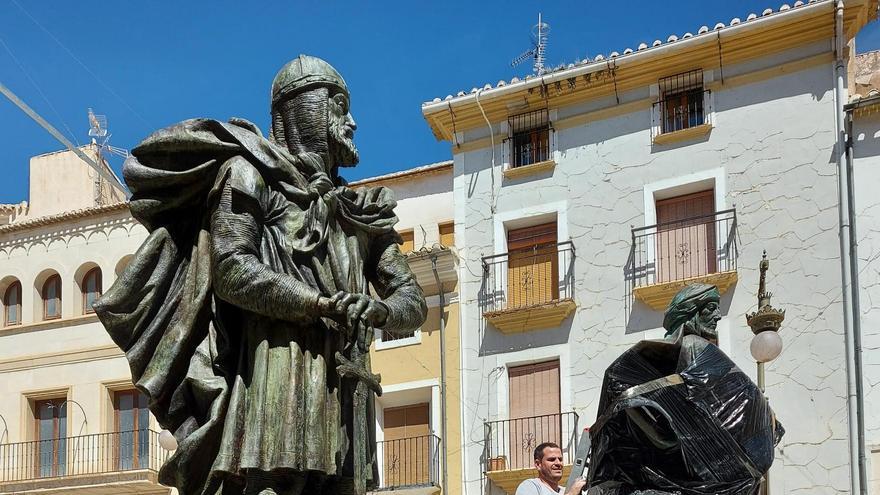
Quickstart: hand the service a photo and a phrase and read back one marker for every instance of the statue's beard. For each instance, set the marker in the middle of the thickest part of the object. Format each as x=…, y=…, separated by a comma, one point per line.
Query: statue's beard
x=343, y=152
x=704, y=329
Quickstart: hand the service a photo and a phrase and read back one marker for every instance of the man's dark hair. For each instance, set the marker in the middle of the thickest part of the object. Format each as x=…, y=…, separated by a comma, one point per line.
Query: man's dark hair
x=539, y=450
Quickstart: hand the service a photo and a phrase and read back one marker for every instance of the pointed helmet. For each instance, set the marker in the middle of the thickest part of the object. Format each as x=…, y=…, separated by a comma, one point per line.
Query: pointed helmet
x=303, y=73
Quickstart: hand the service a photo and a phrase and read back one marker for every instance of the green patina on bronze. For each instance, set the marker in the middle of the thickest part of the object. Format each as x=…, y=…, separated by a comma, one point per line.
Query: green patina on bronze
x=246, y=316
x=694, y=310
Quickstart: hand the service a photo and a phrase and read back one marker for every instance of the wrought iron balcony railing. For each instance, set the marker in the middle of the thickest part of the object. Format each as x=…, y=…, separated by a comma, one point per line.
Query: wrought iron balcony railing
x=510, y=443
x=683, y=250
x=528, y=277
x=409, y=462
x=81, y=455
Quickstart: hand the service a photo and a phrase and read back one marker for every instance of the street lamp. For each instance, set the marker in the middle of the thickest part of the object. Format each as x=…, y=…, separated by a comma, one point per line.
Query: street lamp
x=766, y=344
x=167, y=440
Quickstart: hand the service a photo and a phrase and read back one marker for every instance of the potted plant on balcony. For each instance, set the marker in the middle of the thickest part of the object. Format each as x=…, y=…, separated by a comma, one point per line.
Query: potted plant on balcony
x=498, y=463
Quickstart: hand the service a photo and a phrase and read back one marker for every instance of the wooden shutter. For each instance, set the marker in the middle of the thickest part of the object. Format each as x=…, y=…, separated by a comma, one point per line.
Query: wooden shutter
x=686, y=244
x=407, y=446
x=533, y=266
x=534, y=410
x=447, y=234
x=408, y=244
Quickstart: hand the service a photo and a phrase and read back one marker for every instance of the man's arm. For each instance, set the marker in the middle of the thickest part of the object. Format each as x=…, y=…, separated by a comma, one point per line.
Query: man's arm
x=240, y=277
x=395, y=283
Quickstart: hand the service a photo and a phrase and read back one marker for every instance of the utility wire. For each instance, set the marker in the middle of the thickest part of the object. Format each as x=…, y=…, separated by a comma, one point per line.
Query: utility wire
x=83, y=65
x=40, y=91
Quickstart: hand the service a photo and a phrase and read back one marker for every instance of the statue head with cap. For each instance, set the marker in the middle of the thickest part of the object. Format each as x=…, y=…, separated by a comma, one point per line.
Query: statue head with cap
x=695, y=310
x=310, y=112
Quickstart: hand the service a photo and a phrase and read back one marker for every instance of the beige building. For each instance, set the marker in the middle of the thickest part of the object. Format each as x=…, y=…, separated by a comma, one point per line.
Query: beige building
x=71, y=420
x=410, y=414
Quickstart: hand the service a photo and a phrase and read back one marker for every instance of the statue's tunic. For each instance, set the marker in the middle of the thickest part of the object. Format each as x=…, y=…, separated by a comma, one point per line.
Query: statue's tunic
x=218, y=313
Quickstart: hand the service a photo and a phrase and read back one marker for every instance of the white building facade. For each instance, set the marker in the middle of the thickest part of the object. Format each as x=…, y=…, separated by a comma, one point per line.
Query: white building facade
x=586, y=197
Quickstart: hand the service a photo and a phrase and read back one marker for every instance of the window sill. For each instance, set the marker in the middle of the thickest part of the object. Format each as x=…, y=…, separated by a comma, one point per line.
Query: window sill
x=683, y=135
x=44, y=324
x=382, y=345
x=531, y=169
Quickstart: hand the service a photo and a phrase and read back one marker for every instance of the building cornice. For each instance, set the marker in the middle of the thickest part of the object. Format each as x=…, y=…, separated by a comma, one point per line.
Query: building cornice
x=434, y=168
x=63, y=217
x=756, y=37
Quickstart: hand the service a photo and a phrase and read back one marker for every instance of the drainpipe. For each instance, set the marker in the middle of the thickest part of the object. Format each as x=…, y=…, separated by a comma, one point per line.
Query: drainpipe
x=857, y=480
x=443, y=441
x=857, y=312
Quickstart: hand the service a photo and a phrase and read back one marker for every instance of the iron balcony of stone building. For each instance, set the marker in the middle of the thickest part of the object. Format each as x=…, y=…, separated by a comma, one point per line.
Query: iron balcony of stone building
x=126, y=461
x=668, y=256
x=509, y=446
x=529, y=289
x=409, y=465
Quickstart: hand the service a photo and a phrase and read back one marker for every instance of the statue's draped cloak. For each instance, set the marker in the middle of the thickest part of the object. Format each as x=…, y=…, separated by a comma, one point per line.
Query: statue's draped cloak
x=242, y=376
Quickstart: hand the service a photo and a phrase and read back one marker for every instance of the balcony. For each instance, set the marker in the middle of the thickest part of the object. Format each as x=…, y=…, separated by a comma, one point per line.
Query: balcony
x=529, y=289
x=105, y=463
x=510, y=445
x=666, y=257
x=409, y=465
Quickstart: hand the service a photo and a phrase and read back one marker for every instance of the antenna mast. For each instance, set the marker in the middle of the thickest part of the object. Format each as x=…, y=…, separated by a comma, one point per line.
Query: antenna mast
x=539, y=47
x=98, y=130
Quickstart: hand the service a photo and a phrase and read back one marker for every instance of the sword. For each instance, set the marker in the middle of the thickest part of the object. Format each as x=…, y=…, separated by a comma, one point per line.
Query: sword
x=357, y=367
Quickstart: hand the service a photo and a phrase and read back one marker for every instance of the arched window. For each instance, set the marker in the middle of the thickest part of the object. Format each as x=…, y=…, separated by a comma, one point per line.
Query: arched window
x=91, y=289
x=52, y=298
x=12, y=305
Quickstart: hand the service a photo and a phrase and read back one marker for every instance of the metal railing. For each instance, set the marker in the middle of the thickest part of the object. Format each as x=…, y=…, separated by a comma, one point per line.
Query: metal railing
x=528, y=277
x=87, y=454
x=510, y=443
x=409, y=462
x=683, y=249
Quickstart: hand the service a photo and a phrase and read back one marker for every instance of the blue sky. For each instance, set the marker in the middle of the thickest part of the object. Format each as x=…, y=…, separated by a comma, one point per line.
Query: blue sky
x=147, y=65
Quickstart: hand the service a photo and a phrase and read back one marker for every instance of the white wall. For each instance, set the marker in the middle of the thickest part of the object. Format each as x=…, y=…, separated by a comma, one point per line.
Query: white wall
x=773, y=141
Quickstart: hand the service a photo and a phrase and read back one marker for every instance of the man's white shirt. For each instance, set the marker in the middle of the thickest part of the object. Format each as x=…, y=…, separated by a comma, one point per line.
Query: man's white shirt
x=534, y=486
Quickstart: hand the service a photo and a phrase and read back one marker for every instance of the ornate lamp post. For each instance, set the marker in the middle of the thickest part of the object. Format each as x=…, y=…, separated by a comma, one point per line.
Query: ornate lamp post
x=766, y=344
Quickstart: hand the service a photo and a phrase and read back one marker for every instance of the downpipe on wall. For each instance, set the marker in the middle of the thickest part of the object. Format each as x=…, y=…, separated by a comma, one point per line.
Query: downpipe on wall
x=849, y=291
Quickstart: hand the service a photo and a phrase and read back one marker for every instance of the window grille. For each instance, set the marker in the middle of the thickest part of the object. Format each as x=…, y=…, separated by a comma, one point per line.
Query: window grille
x=682, y=101
x=529, y=139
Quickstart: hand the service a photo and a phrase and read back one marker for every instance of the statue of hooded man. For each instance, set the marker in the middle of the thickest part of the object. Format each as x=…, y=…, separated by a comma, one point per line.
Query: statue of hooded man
x=246, y=316
x=676, y=416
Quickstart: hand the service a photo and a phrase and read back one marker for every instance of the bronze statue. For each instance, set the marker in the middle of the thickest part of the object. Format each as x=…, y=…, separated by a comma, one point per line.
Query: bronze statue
x=246, y=316
x=676, y=416
x=694, y=310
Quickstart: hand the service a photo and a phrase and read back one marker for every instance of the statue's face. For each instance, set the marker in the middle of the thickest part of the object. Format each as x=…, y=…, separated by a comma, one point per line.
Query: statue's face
x=341, y=127
x=707, y=320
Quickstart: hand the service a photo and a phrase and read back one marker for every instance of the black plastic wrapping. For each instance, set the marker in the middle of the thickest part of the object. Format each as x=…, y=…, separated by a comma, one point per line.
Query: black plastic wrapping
x=680, y=418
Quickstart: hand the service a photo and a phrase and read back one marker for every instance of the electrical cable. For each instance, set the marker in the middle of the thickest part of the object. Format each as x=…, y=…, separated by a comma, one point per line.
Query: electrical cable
x=83, y=65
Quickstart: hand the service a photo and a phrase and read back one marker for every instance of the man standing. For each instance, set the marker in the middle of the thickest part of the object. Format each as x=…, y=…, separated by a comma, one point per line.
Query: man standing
x=247, y=314
x=548, y=462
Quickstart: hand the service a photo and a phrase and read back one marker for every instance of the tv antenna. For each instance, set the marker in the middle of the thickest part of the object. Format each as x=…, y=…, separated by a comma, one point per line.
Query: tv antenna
x=539, y=47
x=101, y=140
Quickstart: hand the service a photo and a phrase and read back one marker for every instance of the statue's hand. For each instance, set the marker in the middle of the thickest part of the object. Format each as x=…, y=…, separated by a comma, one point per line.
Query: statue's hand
x=359, y=313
